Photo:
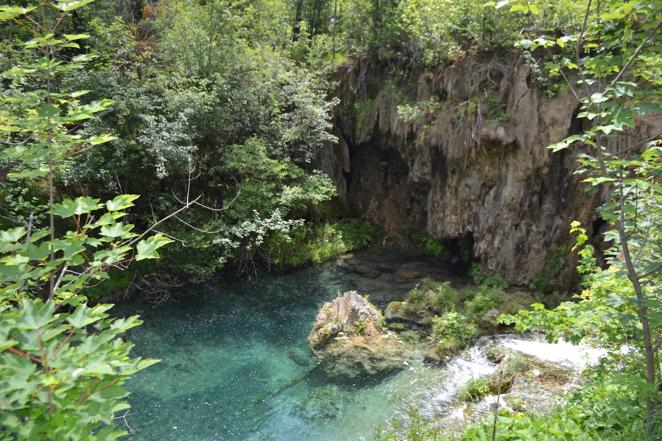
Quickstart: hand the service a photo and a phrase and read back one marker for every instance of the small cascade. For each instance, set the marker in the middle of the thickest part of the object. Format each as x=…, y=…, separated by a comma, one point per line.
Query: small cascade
x=236, y=365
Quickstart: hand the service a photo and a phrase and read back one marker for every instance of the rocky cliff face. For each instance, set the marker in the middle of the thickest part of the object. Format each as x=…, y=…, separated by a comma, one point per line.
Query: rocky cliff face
x=465, y=157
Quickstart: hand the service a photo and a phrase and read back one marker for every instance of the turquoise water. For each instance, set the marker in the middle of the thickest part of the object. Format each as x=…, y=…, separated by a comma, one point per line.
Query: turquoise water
x=235, y=363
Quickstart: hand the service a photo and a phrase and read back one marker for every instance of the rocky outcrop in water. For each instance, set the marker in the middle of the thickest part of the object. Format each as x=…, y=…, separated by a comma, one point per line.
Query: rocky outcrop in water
x=349, y=341
x=459, y=153
x=519, y=383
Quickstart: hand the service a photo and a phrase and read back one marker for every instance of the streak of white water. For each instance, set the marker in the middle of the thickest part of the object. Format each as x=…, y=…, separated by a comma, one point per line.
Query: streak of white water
x=577, y=356
x=473, y=363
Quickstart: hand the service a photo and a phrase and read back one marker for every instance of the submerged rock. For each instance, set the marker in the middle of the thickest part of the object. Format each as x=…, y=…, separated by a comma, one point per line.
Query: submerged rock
x=323, y=403
x=413, y=270
x=299, y=356
x=364, y=270
x=349, y=341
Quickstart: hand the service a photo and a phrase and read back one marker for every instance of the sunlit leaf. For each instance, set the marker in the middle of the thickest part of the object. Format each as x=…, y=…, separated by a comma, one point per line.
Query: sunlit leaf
x=72, y=5
x=11, y=12
x=121, y=202
x=147, y=248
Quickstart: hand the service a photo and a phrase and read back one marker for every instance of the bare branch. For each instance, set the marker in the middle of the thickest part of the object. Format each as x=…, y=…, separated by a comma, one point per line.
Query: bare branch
x=198, y=229
x=159, y=222
x=572, y=88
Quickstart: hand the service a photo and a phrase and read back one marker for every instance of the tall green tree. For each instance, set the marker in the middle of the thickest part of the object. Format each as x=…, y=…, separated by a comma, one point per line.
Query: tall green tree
x=613, y=67
x=62, y=363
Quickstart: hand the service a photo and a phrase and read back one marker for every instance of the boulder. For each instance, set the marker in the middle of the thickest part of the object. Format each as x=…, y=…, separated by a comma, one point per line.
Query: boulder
x=349, y=341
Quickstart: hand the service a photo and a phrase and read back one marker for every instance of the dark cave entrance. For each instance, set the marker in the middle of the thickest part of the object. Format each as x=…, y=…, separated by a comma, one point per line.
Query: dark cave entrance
x=460, y=252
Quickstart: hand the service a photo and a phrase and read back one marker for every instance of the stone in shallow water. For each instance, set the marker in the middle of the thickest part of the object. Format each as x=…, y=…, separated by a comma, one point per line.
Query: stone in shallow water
x=349, y=341
x=365, y=270
x=299, y=356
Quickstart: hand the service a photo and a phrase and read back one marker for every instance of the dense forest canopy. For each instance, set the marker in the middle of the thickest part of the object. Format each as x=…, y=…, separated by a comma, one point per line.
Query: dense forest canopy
x=147, y=145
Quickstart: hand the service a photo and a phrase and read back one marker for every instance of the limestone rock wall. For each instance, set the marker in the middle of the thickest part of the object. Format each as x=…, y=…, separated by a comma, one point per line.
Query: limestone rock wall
x=471, y=162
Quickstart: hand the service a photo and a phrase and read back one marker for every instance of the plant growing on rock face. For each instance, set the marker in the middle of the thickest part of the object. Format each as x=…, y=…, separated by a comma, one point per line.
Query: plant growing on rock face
x=361, y=326
x=414, y=112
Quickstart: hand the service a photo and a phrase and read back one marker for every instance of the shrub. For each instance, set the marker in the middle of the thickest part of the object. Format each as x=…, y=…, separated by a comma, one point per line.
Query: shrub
x=439, y=297
x=63, y=374
x=475, y=390
x=417, y=295
x=312, y=244
x=483, y=277
x=485, y=300
x=445, y=298
x=453, y=331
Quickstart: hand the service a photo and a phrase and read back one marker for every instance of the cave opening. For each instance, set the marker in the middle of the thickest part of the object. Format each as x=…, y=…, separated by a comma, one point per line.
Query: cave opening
x=461, y=253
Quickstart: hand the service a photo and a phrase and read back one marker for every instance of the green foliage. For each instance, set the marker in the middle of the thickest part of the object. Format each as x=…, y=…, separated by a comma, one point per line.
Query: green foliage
x=616, y=86
x=433, y=246
x=414, y=112
x=605, y=312
x=216, y=100
x=475, y=390
x=366, y=112
x=482, y=277
x=415, y=428
x=473, y=303
x=75, y=259
x=436, y=296
x=427, y=32
x=485, y=104
x=606, y=408
x=317, y=242
x=62, y=374
x=552, y=265
x=453, y=331
x=62, y=364
x=361, y=326
x=485, y=299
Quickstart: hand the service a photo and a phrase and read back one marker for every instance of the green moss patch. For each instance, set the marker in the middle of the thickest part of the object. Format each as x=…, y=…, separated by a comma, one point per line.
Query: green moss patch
x=316, y=243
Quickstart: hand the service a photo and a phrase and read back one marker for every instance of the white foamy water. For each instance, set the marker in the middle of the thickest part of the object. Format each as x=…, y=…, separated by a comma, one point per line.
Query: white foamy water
x=576, y=356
